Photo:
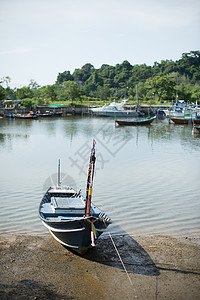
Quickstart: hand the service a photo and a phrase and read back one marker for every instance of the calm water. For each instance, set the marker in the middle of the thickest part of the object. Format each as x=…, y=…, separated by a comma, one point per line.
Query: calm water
x=147, y=178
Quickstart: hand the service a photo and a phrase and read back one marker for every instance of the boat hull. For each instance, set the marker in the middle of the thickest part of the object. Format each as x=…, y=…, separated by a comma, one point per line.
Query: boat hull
x=180, y=121
x=78, y=235
x=185, y=121
x=136, y=122
x=27, y=117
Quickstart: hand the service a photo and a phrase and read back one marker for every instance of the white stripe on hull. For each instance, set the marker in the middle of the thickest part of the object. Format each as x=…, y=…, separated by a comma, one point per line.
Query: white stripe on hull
x=62, y=230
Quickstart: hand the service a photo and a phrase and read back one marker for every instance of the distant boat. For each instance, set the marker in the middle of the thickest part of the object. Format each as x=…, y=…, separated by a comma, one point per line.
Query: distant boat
x=197, y=128
x=73, y=221
x=47, y=113
x=180, y=110
x=26, y=116
x=57, y=114
x=197, y=120
x=50, y=114
x=177, y=110
x=115, y=109
x=22, y=116
x=9, y=115
x=139, y=122
x=182, y=120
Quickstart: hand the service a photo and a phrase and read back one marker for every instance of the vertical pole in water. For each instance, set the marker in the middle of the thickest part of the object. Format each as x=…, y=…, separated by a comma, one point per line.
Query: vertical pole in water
x=59, y=183
x=138, y=102
x=176, y=89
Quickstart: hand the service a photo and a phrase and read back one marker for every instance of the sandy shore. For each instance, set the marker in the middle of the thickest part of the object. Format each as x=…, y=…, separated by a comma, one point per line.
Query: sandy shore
x=34, y=267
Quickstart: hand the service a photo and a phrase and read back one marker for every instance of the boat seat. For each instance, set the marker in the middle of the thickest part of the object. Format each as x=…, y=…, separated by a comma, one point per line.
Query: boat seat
x=68, y=205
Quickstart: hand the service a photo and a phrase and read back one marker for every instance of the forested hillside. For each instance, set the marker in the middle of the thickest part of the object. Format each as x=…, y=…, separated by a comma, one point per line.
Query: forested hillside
x=163, y=81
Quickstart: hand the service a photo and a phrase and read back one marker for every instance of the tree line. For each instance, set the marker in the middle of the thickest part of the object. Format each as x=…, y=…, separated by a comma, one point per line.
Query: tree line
x=164, y=81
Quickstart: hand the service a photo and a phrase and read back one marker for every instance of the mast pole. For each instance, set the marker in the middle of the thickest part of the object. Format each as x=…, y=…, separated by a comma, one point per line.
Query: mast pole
x=90, y=180
x=138, y=102
x=59, y=183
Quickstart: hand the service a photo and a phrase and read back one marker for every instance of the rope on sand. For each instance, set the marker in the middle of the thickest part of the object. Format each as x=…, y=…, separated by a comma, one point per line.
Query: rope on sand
x=120, y=258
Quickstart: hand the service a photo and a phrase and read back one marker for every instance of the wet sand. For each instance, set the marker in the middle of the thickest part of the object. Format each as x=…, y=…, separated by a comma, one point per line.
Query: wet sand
x=38, y=267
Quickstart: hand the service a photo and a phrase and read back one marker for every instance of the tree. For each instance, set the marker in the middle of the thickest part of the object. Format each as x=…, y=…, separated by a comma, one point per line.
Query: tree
x=3, y=94
x=195, y=93
x=48, y=92
x=103, y=92
x=189, y=65
x=6, y=80
x=84, y=73
x=69, y=90
x=24, y=92
x=65, y=76
x=161, y=86
x=33, y=85
x=28, y=103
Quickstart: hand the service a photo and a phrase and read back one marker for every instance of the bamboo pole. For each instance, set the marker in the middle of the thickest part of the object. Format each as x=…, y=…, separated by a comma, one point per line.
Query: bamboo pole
x=90, y=180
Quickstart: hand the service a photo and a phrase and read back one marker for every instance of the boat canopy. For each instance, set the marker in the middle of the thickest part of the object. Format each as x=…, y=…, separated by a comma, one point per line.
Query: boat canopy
x=61, y=192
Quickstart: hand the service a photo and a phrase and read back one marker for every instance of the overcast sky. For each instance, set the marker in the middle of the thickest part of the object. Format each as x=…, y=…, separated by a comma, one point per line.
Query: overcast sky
x=40, y=38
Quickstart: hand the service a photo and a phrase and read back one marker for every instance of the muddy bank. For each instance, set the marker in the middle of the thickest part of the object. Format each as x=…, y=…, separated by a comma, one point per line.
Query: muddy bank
x=34, y=267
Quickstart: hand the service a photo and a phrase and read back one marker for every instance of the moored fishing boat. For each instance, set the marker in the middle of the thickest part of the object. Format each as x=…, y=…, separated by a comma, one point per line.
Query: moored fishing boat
x=185, y=120
x=73, y=221
x=10, y=115
x=197, y=128
x=45, y=114
x=26, y=116
x=138, y=122
x=181, y=120
x=197, y=120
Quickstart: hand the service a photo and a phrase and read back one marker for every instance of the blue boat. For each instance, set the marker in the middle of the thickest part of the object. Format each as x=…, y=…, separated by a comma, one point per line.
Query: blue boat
x=138, y=122
x=73, y=221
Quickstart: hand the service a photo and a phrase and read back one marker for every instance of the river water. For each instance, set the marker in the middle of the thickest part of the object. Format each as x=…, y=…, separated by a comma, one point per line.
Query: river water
x=146, y=179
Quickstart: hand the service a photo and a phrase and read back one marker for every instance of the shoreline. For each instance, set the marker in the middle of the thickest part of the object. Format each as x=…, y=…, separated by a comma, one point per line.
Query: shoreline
x=158, y=267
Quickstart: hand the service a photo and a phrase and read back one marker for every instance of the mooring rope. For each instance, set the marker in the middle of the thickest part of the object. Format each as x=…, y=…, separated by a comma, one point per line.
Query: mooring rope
x=122, y=263
x=120, y=258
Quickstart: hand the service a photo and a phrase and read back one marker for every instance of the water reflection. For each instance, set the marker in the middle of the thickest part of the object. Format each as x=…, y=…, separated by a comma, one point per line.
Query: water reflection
x=146, y=177
x=7, y=140
x=164, y=132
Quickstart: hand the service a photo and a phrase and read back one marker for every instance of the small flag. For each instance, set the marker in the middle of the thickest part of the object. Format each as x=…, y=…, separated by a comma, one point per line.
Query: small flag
x=94, y=144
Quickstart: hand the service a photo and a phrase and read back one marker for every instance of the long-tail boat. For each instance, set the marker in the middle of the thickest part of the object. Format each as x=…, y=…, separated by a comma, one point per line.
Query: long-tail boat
x=185, y=120
x=29, y=116
x=73, y=221
x=138, y=122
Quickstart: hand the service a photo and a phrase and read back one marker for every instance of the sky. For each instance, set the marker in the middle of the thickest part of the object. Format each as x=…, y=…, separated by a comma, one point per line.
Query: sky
x=41, y=38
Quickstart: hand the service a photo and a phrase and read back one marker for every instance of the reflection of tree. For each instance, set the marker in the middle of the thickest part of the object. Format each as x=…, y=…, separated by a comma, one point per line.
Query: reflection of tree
x=7, y=139
x=74, y=126
x=164, y=133
x=2, y=138
x=49, y=125
x=22, y=124
x=71, y=128
x=177, y=134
